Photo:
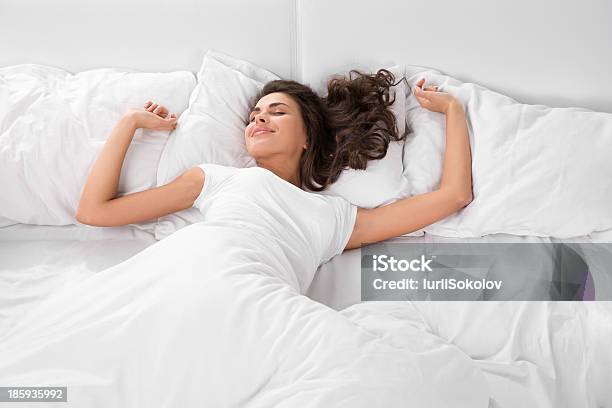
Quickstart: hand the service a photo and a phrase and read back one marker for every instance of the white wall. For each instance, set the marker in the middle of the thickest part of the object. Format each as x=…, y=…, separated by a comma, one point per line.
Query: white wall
x=150, y=35
x=557, y=53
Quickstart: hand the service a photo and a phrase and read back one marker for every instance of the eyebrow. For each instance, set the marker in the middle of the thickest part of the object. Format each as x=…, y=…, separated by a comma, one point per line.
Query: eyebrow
x=273, y=104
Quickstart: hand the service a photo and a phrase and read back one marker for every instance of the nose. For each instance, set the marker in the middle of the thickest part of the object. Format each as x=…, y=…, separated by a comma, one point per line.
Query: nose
x=261, y=118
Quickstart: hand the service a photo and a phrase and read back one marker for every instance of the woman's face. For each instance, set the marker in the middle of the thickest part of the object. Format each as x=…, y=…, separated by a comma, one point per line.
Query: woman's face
x=275, y=129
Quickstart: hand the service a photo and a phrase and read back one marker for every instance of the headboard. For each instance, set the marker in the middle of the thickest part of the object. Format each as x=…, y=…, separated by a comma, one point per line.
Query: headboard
x=544, y=52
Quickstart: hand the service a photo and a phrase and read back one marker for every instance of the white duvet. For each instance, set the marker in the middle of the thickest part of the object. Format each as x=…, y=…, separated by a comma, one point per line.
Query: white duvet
x=215, y=316
x=532, y=354
x=536, y=354
x=54, y=123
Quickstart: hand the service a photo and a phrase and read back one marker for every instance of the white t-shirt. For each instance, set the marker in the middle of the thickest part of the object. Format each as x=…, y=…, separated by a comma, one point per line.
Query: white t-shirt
x=309, y=228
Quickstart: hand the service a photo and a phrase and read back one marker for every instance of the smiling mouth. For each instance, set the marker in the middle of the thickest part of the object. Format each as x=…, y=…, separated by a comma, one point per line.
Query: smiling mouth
x=259, y=132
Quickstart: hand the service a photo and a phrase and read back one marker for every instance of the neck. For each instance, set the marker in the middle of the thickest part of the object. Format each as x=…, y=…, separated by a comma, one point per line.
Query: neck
x=287, y=171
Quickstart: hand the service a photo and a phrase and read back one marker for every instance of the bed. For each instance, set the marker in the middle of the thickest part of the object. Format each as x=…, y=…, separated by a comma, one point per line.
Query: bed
x=528, y=354
x=534, y=354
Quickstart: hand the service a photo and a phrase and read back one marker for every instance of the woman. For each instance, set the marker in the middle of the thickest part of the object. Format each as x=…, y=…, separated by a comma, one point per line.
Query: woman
x=214, y=314
x=306, y=141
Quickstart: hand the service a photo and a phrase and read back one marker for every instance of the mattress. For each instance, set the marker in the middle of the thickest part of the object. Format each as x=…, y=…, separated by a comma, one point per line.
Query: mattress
x=533, y=354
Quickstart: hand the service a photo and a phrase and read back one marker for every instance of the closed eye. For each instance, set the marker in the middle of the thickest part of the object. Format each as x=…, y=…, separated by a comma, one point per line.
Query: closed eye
x=275, y=113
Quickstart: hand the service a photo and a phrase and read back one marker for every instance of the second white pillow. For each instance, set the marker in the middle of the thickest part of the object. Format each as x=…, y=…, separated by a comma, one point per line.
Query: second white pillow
x=212, y=129
x=536, y=170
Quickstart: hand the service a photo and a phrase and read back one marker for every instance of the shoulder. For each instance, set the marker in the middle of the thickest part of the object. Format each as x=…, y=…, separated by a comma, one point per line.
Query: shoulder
x=209, y=170
x=195, y=175
x=202, y=180
x=192, y=180
x=208, y=176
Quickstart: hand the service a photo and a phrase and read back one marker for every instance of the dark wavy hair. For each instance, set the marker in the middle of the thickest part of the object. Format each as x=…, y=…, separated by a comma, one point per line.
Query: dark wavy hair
x=350, y=126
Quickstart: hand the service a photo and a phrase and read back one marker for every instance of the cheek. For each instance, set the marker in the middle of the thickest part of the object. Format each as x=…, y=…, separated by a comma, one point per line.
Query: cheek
x=296, y=132
x=247, y=131
x=300, y=134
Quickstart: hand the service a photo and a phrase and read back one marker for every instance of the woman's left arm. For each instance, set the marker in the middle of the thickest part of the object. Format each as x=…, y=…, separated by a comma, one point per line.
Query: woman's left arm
x=455, y=191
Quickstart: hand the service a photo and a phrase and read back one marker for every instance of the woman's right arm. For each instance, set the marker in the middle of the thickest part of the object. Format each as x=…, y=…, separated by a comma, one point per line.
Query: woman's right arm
x=99, y=205
x=145, y=205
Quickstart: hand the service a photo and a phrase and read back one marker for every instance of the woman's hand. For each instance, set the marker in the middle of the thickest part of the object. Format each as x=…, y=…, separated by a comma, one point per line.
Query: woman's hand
x=153, y=116
x=432, y=99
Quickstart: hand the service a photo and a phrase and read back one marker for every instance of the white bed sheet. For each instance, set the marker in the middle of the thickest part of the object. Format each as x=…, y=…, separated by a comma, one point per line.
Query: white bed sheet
x=26, y=232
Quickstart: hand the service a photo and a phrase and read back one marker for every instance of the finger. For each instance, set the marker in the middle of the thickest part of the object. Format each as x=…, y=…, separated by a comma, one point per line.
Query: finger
x=171, y=124
x=147, y=104
x=422, y=93
x=162, y=111
x=426, y=93
x=418, y=84
x=152, y=107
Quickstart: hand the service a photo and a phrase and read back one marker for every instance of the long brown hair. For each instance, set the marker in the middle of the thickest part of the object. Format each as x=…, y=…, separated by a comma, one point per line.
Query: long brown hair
x=350, y=126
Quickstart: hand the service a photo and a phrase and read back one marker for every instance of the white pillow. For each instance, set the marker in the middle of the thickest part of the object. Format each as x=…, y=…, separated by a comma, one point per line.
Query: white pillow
x=53, y=125
x=382, y=182
x=212, y=129
x=379, y=184
x=536, y=170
